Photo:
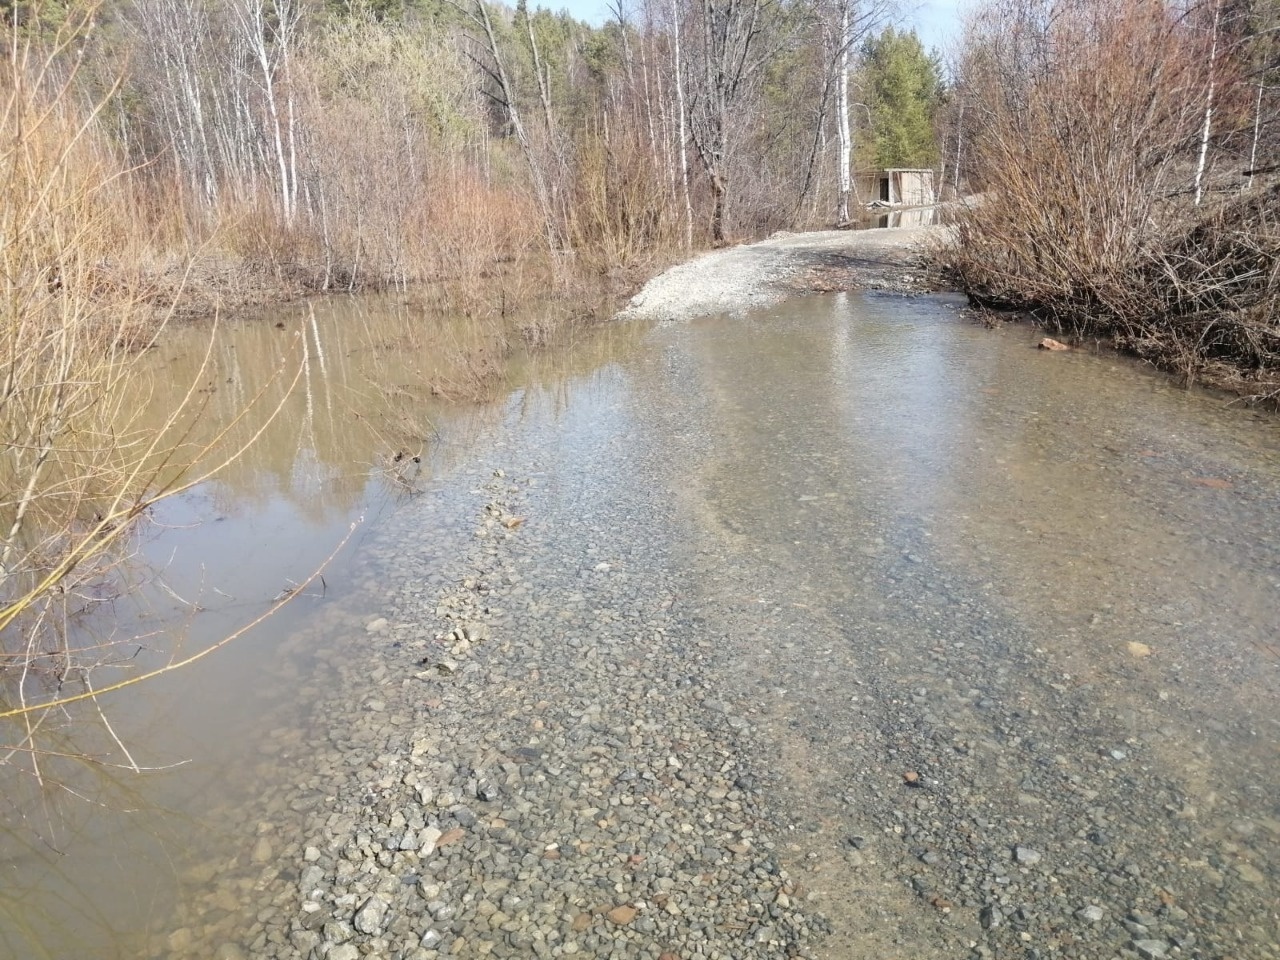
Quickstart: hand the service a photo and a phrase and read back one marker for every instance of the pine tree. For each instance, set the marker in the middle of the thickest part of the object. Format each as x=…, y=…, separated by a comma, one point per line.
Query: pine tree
x=902, y=88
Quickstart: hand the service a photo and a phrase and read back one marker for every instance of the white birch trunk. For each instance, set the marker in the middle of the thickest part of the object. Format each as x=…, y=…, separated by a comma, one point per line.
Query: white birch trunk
x=1257, y=121
x=292, y=119
x=536, y=174
x=842, y=111
x=683, y=133
x=1208, y=108
x=252, y=16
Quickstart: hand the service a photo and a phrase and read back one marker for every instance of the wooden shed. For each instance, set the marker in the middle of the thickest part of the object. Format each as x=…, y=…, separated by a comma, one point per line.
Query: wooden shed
x=907, y=188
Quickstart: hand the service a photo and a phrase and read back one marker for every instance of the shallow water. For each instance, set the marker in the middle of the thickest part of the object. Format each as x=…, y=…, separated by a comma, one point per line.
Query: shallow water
x=91, y=854
x=897, y=219
x=864, y=490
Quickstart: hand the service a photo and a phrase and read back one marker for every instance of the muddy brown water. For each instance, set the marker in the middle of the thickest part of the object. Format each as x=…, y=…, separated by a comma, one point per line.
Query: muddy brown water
x=853, y=454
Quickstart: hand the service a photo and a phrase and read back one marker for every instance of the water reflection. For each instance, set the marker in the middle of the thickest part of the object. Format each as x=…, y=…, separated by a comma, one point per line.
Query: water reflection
x=367, y=391
x=893, y=219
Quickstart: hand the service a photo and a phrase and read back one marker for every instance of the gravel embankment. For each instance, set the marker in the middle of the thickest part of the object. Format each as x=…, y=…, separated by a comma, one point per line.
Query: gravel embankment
x=760, y=274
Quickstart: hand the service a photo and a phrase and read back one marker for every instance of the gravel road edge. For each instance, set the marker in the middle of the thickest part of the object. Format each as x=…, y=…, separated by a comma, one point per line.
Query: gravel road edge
x=761, y=274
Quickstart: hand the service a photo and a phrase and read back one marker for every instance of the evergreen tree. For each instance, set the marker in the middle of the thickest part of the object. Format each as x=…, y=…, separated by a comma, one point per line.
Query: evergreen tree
x=902, y=89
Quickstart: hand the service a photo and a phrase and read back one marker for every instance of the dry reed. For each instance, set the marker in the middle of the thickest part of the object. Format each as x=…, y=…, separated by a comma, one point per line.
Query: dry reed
x=78, y=467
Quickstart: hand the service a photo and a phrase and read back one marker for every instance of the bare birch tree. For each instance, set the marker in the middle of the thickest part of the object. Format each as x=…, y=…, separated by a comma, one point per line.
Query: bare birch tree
x=1208, y=104
x=173, y=35
x=270, y=29
x=493, y=65
x=738, y=39
x=682, y=135
x=845, y=161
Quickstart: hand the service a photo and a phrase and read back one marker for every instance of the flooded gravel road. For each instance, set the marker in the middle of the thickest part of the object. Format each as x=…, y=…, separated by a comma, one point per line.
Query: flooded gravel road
x=841, y=629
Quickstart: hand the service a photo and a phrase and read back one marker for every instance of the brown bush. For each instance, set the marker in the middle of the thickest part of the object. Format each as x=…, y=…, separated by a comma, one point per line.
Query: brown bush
x=1080, y=112
x=1213, y=297
x=1086, y=119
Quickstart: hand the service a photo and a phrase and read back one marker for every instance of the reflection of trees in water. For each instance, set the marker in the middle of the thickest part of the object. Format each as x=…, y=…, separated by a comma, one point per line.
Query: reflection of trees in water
x=361, y=409
x=364, y=396
x=379, y=376
x=96, y=840
x=56, y=901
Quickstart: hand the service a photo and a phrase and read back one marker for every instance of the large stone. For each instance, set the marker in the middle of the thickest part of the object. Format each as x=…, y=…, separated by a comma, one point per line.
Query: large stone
x=622, y=915
x=370, y=917
x=312, y=877
x=428, y=838
x=304, y=941
x=1027, y=856
x=1249, y=873
x=431, y=939
x=180, y=941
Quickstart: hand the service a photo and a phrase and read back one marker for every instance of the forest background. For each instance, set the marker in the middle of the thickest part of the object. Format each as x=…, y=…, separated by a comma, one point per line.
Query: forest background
x=336, y=146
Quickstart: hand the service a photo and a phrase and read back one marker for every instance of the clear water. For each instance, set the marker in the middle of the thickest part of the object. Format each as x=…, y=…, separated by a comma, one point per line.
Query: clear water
x=1098, y=504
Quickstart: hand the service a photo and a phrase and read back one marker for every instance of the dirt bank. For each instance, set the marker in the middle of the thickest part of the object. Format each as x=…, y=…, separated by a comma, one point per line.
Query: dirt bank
x=759, y=274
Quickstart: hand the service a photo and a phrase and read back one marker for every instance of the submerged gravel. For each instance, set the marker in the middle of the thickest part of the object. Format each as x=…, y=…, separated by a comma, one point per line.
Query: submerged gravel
x=538, y=769
x=591, y=704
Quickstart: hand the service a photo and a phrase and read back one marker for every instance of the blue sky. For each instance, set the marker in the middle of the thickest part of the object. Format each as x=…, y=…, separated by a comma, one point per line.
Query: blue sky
x=937, y=21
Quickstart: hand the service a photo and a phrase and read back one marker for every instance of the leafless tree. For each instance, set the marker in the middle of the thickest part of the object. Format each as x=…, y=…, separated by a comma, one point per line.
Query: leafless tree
x=739, y=38
x=487, y=54
x=270, y=31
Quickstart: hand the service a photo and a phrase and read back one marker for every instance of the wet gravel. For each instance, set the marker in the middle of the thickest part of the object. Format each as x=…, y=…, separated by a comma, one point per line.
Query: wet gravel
x=538, y=769
x=593, y=704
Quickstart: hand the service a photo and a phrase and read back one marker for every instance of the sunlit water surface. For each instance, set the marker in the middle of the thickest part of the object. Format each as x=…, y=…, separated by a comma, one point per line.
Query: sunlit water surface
x=1100, y=501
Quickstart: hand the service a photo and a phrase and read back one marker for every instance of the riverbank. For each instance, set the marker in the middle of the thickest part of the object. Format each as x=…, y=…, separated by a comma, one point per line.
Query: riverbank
x=734, y=278
x=905, y=261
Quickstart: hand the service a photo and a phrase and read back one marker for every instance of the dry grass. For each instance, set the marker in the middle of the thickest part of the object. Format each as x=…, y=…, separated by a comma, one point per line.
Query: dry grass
x=78, y=467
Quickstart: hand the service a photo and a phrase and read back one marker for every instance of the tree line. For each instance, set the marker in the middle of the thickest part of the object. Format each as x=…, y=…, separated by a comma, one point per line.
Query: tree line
x=391, y=140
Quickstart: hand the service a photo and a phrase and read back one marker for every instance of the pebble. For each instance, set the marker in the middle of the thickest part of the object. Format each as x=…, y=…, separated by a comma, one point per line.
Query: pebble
x=1249, y=873
x=1027, y=855
x=622, y=915
x=369, y=918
